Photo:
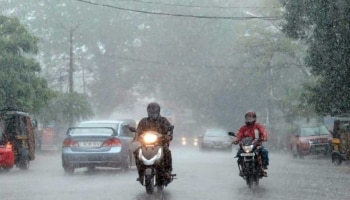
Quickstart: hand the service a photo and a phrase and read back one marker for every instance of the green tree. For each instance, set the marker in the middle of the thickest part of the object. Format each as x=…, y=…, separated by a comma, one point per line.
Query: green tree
x=20, y=83
x=59, y=108
x=325, y=26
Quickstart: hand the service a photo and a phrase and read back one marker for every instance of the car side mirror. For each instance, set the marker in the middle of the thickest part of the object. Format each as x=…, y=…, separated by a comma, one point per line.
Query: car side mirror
x=35, y=123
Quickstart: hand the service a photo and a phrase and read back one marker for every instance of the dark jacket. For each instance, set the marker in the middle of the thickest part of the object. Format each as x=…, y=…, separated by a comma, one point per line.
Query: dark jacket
x=161, y=126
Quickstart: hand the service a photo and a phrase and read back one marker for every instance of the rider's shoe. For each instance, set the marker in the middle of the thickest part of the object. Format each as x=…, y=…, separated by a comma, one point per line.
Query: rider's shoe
x=167, y=175
x=241, y=173
x=264, y=173
x=265, y=167
x=140, y=179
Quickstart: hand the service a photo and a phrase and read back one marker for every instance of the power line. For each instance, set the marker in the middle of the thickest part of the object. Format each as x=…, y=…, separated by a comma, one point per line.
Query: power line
x=181, y=15
x=194, y=6
x=163, y=63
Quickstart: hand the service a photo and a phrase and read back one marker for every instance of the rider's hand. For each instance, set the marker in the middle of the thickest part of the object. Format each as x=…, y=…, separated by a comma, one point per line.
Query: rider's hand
x=258, y=142
x=235, y=142
x=167, y=138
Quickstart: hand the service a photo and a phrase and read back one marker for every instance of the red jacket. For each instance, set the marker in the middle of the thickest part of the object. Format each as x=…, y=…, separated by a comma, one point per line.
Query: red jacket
x=249, y=131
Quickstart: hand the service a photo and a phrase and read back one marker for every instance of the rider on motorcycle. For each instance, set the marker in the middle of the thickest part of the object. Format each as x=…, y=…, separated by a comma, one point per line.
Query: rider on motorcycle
x=252, y=129
x=155, y=122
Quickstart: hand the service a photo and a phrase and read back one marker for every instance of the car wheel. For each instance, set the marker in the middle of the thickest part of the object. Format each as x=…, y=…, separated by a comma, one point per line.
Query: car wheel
x=68, y=170
x=300, y=155
x=126, y=164
x=6, y=169
x=91, y=167
x=295, y=151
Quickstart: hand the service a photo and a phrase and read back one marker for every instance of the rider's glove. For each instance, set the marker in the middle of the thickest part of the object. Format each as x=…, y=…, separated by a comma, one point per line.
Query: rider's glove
x=167, y=138
x=235, y=142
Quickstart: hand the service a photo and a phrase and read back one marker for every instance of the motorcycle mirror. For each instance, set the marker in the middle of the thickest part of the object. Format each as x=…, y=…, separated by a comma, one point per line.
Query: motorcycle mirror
x=231, y=134
x=171, y=128
x=132, y=129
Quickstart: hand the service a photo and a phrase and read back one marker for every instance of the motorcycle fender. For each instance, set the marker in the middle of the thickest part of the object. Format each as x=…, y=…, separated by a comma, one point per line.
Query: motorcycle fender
x=337, y=153
x=248, y=158
x=148, y=171
x=149, y=159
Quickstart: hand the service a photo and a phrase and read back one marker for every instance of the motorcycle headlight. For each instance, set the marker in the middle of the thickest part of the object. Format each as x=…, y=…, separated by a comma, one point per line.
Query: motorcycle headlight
x=248, y=149
x=149, y=137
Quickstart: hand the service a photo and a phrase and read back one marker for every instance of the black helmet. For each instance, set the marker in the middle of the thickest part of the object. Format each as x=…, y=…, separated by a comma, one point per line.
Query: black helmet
x=153, y=110
x=250, y=117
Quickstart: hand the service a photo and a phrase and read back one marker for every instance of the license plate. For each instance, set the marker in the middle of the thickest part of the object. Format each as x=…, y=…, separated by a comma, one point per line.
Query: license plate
x=320, y=148
x=90, y=144
x=247, y=154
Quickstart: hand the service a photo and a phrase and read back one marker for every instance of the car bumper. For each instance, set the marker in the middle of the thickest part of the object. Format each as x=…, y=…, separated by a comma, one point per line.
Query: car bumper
x=216, y=145
x=315, y=149
x=319, y=148
x=112, y=158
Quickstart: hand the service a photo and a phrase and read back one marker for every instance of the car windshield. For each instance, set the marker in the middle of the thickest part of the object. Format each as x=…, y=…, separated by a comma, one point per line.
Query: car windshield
x=90, y=131
x=112, y=125
x=1, y=136
x=316, y=130
x=215, y=133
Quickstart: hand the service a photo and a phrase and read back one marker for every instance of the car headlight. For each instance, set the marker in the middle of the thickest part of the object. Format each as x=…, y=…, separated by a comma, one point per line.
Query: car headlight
x=183, y=141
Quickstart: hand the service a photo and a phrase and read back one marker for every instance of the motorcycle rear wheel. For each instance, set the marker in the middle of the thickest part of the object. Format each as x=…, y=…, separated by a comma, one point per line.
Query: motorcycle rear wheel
x=337, y=159
x=23, y=163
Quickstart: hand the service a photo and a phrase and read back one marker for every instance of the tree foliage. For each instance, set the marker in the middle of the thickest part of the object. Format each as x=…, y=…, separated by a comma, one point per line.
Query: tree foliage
x=20, y=83
x=325, y=26
x=64, y=104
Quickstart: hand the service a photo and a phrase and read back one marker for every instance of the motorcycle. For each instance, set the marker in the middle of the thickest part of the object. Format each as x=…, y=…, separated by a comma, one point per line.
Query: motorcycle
x=251, y=166
x=151, y=157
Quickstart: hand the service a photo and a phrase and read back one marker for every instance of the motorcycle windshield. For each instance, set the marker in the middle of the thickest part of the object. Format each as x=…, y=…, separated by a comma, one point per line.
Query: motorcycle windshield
x=247, y=141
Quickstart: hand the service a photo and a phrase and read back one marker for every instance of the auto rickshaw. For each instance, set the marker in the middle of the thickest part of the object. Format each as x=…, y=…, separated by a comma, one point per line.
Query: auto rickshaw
x=18, y=137
x=341, y=140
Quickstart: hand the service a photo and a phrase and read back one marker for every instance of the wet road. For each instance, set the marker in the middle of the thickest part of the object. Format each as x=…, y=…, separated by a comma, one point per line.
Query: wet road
x=200, y=175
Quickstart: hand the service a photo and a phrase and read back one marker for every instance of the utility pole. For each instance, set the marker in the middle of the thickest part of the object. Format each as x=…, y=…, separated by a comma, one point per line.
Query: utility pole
x=71, y=71
x=84, y=90
x=71, y=59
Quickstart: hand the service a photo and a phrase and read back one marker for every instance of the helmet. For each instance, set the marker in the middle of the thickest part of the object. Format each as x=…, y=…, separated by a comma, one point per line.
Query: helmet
x=250, y=117
x=153, y=110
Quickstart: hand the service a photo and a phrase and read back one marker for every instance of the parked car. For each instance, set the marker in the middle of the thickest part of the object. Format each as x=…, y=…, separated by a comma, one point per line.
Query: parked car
x=103, y=143
x=215, y=138
x=310, y=139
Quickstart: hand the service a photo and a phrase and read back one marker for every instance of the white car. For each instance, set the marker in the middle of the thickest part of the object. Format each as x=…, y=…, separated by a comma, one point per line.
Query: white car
x=215, y=138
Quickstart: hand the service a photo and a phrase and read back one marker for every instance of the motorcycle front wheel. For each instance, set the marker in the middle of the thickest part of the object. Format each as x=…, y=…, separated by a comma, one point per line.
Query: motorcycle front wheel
x=149, y=184
x=250, y=181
